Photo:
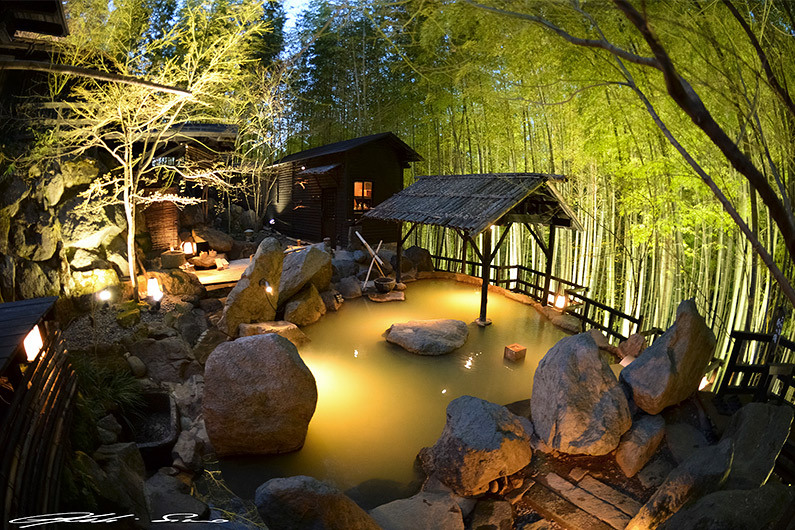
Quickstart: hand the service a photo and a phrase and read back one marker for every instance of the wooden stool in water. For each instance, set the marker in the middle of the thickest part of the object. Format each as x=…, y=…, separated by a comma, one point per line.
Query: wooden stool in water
x=515, y=352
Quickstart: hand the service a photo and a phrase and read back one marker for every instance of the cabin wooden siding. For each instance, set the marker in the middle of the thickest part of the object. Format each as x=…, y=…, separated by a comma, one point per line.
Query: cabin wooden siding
x=297, y=200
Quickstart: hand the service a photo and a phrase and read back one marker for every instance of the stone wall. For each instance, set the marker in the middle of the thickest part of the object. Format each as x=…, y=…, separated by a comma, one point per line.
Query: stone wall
x=51, y=243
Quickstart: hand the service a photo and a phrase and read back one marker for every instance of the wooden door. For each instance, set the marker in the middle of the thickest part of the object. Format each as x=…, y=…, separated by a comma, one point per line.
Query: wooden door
x=328, y=208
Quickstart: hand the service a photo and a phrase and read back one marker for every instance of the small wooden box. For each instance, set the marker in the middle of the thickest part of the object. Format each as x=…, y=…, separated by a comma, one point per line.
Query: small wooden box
x=515, y=352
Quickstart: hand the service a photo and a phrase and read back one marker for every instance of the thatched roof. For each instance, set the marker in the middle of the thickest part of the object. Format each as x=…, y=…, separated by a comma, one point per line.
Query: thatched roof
x=472, y=203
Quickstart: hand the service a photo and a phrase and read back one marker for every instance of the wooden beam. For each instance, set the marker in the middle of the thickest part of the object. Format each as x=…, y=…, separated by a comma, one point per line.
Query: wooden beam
x=51, y=68
x=413, y=226
x=485, y=267
x=534, y=219
x=538, y=239
x=399, y=254
x=499, y=243
x=550, y=256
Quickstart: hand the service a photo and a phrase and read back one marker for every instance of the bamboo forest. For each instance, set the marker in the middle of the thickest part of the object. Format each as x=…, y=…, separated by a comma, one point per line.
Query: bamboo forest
x=256, y=255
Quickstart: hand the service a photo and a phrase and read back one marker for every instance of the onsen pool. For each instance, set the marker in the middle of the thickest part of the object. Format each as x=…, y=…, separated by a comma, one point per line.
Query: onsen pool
x=378, y=405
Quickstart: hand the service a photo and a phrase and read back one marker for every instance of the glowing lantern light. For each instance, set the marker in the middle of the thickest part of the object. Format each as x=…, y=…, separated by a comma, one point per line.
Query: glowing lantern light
x=551, y=299
x=704, y=383
x=33, y=343
x=560, y=301
x=189, y=247
x=104, y=295
x=153, y=289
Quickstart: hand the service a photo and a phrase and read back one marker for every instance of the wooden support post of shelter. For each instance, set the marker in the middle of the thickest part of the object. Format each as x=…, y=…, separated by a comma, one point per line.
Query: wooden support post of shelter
x=472, y=204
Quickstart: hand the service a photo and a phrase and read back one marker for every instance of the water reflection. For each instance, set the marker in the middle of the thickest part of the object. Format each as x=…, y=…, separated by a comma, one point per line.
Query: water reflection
x=378, y=407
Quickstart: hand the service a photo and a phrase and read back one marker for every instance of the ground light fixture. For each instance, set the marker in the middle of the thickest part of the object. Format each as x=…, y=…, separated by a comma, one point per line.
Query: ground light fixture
x=104, y=295
x=154, y=293
x=188, y=248
x=33, y=343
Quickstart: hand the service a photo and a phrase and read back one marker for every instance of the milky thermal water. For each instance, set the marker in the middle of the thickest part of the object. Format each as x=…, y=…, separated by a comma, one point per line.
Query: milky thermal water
x=378, y=405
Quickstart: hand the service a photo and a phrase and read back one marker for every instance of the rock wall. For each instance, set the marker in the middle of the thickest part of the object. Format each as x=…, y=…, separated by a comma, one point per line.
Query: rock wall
x=50, y=243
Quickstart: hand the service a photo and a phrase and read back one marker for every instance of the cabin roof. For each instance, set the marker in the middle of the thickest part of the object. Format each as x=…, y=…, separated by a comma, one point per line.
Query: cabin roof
x=407, y=153
x=16, y=321
x=44, y=17
x=474, y=202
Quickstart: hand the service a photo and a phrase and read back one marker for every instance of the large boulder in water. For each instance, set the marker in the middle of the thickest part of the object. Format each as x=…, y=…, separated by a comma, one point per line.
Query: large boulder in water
x=303, y=503
x=249, y=301
x=671, y=368
x=481, y=442
x=311, y=265
x=420, y=257
x=577, y=405
x=702, y=473
x=258, y=396
x=429, y=337
x=758, y=431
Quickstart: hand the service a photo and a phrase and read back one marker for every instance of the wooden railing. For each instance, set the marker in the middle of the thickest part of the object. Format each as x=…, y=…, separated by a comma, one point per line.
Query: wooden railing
x=33, y=432
x=531, y=282
x=761, y=367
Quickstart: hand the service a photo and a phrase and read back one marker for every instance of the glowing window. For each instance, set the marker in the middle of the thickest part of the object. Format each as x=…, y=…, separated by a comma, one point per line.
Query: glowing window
x=362, y=195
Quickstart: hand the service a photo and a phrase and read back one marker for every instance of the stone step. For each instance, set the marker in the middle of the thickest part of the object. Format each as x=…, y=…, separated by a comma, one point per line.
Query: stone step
x=586, y=501
x=552, y=506
x=626, y=504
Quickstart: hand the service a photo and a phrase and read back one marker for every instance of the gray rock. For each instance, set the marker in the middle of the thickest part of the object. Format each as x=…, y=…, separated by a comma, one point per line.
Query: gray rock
x=211, y=305
x=34, y=281
x=191, y=215
x=754, y=509
x=179, y=282
x=361, y=256
x=350, y=287
x=633, y=346
x=683, y=440
x=258, y=397
x=86, y=259
x=704, y=472
x=110, y=424
x=288, y=330
x=420, y=257
x=639, y=443
x=208, y=341
x=34, y=233
x=429, y=337
x=169, y=359
x=577, y=405
x=653, y=474
x=122, y=481
x=311, y=265
x=671, y=368
x=166, y=494
x=491, y=514
x=481, y=442
x=191, y=325
x=303, y=503
x=91, y=281
x=187, y=452
x=427, y=510
x=89, y=228
x=137, y=366
x=217, y=240
x=188, y=396
x=53, y=189
x=342, y=268
x=78, y=172
x=249, y=301
x=13, y=190
x=306, y=307
x=332, y=299
x=759, y=431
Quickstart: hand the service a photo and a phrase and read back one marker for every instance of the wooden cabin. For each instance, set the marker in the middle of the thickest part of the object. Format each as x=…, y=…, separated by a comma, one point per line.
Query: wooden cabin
x=324, y=192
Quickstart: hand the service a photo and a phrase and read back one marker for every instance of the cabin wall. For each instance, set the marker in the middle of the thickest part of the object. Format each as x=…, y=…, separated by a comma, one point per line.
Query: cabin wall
x=379, y=163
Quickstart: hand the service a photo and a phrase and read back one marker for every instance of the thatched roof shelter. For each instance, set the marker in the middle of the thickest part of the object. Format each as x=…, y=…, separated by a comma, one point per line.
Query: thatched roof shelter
x=471, y=204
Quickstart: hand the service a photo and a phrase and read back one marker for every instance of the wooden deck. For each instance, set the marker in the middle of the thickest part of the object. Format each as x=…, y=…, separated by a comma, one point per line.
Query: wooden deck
x=229, y=275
